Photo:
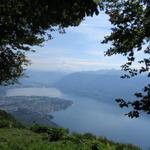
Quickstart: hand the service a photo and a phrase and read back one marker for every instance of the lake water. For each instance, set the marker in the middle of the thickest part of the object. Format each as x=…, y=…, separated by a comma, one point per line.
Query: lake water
x=91, y=115
x=50, y=92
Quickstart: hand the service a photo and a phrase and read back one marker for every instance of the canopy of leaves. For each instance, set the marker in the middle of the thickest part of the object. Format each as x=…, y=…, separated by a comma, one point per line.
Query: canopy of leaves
x=130, y=34
x=25, y=23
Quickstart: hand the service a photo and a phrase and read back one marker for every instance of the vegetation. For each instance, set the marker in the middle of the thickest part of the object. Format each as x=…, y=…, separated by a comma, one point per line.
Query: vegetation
x=13, y=136
x=6, y=120
x=26, y=23
x=131, y=35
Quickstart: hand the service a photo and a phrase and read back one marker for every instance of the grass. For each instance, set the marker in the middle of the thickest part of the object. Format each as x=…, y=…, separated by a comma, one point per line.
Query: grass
x=17, y=137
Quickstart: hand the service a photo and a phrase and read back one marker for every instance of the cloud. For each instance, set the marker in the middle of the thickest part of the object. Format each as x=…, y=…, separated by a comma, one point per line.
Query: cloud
x=78, y=49
x=95, y=28
x=70, y=64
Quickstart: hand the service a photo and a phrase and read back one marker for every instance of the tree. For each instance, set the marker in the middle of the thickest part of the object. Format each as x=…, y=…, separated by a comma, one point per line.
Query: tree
x=26, y=23
x=131, y=34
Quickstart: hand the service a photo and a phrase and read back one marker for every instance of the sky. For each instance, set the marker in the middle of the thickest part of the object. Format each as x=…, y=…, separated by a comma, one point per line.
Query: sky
x=79, y=49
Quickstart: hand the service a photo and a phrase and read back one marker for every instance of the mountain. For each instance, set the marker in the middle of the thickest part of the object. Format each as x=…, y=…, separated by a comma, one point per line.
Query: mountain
x=39, y=78
x=105, y=85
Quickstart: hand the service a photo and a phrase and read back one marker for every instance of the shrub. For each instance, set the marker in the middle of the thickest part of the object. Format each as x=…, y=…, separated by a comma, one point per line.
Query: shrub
x=89, y=136
x=54, y=134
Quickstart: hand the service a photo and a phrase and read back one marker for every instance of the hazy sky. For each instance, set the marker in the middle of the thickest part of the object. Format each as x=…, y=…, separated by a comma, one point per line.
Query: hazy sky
x=77, y=50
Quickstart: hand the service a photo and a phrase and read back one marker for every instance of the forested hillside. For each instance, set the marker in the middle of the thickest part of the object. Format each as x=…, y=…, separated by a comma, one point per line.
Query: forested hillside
x=103, y=85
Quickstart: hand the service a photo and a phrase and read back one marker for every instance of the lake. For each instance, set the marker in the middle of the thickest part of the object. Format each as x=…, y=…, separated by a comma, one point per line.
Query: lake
x=91, y=115
x=50, y=92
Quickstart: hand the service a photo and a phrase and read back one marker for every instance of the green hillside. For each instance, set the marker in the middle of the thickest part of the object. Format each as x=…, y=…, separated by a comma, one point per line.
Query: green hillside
x=14, y=136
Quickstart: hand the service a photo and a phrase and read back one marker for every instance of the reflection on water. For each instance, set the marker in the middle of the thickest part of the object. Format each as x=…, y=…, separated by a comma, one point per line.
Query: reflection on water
x=50, y=92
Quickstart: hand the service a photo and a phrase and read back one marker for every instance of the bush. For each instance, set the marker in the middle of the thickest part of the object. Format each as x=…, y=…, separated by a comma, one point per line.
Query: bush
x=95, y=146
x=89, y=136
x=39, y=129
x=54, y=134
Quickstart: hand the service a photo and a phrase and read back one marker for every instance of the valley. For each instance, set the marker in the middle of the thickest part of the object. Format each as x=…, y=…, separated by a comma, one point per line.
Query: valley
x=82, y=102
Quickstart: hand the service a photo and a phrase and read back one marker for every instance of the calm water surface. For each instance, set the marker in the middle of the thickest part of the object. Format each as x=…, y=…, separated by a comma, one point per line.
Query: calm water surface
x=90, y=115
x=50, y=92
x=108, y=120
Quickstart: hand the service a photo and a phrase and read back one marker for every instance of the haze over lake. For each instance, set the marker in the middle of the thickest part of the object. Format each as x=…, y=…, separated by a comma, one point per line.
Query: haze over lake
x=50, y=92
x=92, y=115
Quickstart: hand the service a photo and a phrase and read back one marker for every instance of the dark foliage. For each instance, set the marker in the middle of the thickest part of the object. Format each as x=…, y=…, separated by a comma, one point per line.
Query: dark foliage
x=26, y=23
x=95, y=146
x=131, y=34
x=7, y=121
x=53, y=134
x=89, y=136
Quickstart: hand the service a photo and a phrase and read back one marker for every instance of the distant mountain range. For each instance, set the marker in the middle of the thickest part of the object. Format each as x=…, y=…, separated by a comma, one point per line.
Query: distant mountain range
x=40, y=78
x=104, y=85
